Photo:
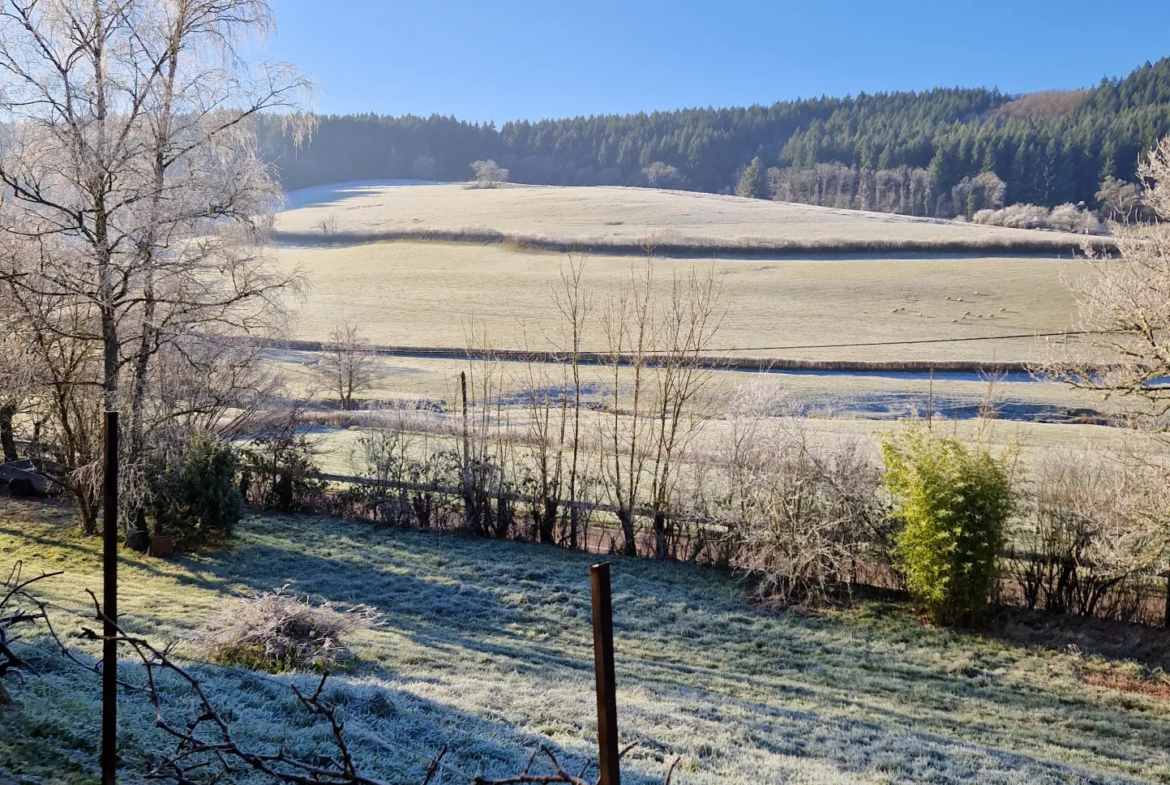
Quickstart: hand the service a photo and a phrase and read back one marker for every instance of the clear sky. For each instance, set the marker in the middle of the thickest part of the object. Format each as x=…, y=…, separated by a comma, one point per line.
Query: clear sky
x=507, y=59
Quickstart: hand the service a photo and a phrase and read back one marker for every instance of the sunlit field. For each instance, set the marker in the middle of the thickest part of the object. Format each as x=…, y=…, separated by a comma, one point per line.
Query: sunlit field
x=603, y=214
x=486, y=646
x=439, y=294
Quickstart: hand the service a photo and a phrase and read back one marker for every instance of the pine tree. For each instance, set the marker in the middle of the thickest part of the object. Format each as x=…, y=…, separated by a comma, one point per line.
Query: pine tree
x=753, y=182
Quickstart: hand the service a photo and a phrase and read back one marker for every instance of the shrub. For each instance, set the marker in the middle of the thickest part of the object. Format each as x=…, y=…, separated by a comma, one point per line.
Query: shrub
x=279, y=632
x=396, y=453
x=800, y=512
x=199, y=502
x=952, y=502
x=281, y=464
x=1096, y=529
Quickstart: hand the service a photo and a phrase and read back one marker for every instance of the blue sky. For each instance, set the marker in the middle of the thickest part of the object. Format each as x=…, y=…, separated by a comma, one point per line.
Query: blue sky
x=505, y=60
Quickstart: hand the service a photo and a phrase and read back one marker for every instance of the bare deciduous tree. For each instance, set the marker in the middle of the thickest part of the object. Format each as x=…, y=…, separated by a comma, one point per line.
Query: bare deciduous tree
x=689, y=320
x=1120, y=201
x=628, y=324
x=136, y=205
x=575, y=304
x=15, y=377
x=347, y=368
x=1125, y=306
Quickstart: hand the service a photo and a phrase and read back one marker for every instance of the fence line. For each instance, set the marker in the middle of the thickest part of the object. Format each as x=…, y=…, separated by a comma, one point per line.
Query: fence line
x=717, y=363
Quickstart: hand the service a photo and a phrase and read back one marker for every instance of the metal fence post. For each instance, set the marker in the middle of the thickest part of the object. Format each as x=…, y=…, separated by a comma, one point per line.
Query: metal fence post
x=110, y=606
x=607, y=729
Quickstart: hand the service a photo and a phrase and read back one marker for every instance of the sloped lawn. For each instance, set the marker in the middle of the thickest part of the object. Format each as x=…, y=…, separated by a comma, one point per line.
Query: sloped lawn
x=486, y=647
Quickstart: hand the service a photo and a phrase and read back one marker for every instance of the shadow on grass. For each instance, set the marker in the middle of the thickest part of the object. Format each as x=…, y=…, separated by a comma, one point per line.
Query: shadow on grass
x=392, y=734
x=686, y=636
x=1112, y=640
x=751, y=693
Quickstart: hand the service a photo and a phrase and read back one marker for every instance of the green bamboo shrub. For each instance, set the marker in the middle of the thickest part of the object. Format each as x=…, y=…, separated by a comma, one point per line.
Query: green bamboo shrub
x=952, y=502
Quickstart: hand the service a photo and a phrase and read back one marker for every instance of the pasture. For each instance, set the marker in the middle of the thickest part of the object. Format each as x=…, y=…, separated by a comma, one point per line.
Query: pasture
x=486, y=646
x=441, y=294
x=601, y=214
x=427, y=293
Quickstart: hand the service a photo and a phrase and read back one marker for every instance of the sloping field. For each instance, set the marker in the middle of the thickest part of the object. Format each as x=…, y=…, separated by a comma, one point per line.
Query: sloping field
x=486, y=646
x=622, y=216
x=431, y=294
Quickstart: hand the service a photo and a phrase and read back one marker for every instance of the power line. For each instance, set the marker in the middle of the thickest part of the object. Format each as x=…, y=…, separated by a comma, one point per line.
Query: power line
x=903, y=343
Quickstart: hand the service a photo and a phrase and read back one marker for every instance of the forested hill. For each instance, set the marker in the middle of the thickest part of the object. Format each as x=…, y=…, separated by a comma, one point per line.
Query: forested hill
x=1048, y=148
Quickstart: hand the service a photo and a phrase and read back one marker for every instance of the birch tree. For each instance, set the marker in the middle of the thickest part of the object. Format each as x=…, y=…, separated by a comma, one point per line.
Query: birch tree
x=135, y=206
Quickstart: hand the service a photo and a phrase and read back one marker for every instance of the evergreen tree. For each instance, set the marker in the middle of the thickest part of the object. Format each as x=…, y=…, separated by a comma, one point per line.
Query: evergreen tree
x=1048, y=149
x=753, y=183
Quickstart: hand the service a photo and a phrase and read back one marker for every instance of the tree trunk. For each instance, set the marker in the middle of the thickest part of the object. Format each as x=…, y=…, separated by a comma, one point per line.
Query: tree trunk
x=89, y=514
x=548, y=521
x=626, y=517
x=7, y=439
x=660, y=544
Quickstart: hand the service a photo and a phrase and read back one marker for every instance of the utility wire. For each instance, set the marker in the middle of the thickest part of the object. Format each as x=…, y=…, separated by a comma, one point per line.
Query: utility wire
x=903, y=343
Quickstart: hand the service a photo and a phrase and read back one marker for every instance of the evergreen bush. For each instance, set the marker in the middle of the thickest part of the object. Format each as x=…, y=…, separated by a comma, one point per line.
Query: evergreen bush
x=199, y=502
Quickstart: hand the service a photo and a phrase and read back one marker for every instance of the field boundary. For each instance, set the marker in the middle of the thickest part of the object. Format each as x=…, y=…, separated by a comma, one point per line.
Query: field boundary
x=717, y=363
x=748, y=248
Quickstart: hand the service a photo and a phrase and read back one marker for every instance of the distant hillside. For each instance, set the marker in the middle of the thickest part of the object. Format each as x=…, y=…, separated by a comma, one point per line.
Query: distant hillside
x=1048, y=148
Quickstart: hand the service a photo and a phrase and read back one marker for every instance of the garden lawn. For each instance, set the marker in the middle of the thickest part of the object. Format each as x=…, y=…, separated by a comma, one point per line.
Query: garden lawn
x=487, y=647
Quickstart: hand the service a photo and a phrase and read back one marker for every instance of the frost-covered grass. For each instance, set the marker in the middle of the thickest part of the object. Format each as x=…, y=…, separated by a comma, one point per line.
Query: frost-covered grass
x=431, y=294
x=487, y=646
x=608, y=215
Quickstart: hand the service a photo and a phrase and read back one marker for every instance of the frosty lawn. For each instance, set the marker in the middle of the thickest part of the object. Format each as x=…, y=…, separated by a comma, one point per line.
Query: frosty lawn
x=487, y=646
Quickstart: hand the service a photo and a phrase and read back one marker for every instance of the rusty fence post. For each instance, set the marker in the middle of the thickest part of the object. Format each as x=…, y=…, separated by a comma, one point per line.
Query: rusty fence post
x=110, y=606
x=607, y=729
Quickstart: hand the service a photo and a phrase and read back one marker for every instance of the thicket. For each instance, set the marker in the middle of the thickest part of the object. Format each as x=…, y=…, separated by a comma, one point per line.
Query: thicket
x=1062, y=218
x=1047, y=153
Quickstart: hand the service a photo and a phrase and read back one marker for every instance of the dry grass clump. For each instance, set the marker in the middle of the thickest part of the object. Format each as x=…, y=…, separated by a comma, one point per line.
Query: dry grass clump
x=276, y=631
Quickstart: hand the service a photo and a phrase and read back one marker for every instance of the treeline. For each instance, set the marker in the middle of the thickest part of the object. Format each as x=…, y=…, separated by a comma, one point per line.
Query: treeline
x=1048, y=149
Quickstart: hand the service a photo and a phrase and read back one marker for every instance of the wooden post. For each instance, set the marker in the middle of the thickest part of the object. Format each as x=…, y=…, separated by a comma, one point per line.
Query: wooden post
x=1166, y=613
x=607, y=729
x=466, y=425
x=110, y=606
